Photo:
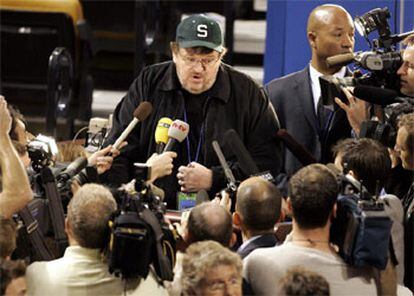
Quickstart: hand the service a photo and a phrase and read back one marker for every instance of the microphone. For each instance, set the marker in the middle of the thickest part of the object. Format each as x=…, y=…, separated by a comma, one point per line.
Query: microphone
x=178, y=131
x=246, y=163
x=140, y=114
x=231, y=181
x=161, y=133
x=378, y=95
x=73, y=169
x=340, y=59
x=300, y=152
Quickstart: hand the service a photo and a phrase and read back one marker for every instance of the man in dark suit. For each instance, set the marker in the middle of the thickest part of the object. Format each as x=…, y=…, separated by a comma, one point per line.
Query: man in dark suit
x=295, y=97
x=258, y=209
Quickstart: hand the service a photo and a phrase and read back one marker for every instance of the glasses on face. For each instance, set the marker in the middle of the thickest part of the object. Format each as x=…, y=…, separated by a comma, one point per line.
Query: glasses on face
x=205, y=62
x=220, y=285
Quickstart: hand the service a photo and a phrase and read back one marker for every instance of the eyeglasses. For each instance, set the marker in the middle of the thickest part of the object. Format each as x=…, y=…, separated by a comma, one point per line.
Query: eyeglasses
x=205, y=62
x=221, y=284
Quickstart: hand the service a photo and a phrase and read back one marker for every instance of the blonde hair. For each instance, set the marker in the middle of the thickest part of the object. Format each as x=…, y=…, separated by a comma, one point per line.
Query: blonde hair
x=200, y=258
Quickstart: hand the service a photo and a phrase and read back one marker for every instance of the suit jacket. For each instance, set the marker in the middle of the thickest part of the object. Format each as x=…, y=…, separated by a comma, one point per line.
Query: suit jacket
x=292, y=99
x=263, y=241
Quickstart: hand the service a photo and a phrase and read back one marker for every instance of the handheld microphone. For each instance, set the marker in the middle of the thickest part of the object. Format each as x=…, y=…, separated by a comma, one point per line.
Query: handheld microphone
x=340, y=59
x=178, y=131
x=140, y=114
x=161, y=133
x=227, y=171
x=73, y=169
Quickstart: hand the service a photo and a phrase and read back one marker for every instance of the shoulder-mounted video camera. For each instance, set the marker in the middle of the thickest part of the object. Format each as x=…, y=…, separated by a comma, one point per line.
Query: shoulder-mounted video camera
x=361, y=228
x=381, y=62
x=139, y=236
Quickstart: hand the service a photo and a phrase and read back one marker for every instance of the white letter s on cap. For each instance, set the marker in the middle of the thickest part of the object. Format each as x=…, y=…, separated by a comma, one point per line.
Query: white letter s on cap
x=202, y=30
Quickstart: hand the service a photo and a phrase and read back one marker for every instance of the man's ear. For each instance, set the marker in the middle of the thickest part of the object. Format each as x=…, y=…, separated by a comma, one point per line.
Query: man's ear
x=233, y=239
x=236, y=219
x=289, y=205
x=68, y=228
x=312, y=39
x=333, y=214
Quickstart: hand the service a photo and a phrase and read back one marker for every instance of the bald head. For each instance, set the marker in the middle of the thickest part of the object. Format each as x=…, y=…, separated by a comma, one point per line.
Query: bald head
x=209, y=221
x=258, y=204
x=330, y=32
x=323, y=15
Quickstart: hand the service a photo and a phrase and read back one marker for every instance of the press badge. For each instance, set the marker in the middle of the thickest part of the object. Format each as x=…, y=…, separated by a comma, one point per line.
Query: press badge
x=186, y=200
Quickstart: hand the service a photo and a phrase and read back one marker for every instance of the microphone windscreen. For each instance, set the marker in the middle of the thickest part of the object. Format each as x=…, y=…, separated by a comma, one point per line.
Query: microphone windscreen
x=161, y=132
x=375, y=95
x=340, y=59
x=143, y=110
x=178, y=130
x=246, y=162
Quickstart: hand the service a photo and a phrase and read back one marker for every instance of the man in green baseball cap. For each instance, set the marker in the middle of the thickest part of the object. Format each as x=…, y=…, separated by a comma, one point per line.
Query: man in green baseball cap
x=211, y=97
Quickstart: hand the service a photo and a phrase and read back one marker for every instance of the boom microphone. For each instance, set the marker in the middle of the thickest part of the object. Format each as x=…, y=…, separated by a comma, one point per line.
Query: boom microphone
x=231, y=181
x=161, y=133
x=340, y=59
x=73, y=169
x=378, y=95
x=140, y=114
x=300, y=152
x=178, y=131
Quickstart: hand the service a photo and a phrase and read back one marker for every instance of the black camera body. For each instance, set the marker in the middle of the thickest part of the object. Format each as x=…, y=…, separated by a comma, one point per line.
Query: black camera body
x=380, y=64
x=139, y=236
x=361, y=228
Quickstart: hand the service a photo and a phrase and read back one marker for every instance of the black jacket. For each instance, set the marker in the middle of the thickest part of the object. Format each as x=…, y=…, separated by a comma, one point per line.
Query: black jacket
x=235, y=101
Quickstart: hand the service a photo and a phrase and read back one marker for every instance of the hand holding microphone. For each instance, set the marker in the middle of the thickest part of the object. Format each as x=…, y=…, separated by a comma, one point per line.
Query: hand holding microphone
x=141, y=113
x=161, y=164
x=161, y=133
x=177, y=132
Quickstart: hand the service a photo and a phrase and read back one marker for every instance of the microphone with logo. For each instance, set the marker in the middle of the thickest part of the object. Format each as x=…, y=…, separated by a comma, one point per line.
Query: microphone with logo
x=141, y=113
x=161, y=134
x=177, y=132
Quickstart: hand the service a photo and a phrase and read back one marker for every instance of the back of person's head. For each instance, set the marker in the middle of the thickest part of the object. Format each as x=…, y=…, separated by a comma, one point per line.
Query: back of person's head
x=199, y=262
x=368, y=159
x=258, y=204
x=313, y=192
x=298, y=281
x=12, y=277
x=69, y=151
x=89, y=212
x=209, y=221
x=7, y=237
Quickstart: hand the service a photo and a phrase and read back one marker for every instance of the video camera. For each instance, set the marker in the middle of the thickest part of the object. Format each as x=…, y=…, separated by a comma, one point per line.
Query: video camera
x=382, y=62
x=139, y=236
x=361, y=228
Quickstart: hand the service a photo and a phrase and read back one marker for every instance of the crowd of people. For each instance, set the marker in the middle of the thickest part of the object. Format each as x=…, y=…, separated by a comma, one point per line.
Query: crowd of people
x=228, y=244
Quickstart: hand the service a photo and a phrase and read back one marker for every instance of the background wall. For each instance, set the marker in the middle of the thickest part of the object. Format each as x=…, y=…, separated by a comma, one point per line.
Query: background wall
x=287, y=49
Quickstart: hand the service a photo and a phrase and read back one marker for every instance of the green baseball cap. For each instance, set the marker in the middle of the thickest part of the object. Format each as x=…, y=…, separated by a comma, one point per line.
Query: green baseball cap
x=199, y=30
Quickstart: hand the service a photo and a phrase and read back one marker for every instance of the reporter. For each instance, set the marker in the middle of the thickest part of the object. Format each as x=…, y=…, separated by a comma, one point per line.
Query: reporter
x=16, y=192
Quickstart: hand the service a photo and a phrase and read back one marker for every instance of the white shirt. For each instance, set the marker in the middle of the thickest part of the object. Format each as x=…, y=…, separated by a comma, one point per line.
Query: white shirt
x=316, y=87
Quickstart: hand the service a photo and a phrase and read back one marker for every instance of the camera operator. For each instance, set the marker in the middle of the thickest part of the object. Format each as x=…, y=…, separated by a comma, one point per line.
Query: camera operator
x=368, y=162
x=81, y=270
x=16, y=192
x=405, y=148
x=358, y=111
